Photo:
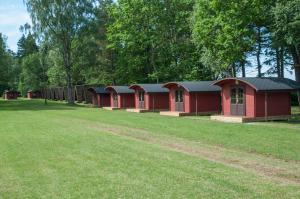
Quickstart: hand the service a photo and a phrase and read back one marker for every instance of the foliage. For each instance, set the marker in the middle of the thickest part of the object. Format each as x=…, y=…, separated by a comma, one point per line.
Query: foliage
x=60, y=22
x=153, y=41
x=8, y=67
x=32, y=72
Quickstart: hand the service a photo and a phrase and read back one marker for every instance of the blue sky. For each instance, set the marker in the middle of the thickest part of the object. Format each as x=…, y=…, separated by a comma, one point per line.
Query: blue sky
x=13, y=14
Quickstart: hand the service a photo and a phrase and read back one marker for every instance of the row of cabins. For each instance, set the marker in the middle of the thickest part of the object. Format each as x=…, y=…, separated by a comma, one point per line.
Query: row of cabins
x=229, y=99
x=237, y=99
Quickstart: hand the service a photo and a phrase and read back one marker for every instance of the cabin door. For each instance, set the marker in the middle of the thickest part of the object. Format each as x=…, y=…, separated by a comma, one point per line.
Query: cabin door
x=141, y=99
x=237, y=101
x=115, y=100
x=179, y=105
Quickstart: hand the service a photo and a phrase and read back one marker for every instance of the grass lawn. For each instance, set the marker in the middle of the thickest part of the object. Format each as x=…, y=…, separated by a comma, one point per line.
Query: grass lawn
x=60, y=151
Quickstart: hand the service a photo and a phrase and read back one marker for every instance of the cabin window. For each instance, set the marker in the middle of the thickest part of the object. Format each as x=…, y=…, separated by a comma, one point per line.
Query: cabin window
x=141, y=96
x=115, y=97
x=233, y=96
x=237, y=96
x=240, y=96
x=179, y=96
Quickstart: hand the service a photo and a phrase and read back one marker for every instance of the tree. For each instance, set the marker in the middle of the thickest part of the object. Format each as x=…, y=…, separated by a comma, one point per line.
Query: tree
x=222, y=29
x=60, y=21
x=8, y=67
x=152, y=42
x=287, y=30
x=32, y=73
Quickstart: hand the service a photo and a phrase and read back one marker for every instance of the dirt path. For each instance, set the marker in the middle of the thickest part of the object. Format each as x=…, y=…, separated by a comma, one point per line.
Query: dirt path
x=274, y=169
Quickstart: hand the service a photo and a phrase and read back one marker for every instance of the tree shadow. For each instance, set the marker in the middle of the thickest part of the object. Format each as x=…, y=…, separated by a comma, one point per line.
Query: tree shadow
x=34, y=105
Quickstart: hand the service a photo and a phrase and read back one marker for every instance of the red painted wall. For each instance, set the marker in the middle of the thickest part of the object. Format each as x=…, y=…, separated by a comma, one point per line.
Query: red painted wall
x=250, y=101
x=158, y=101
x=204, y=102
x=126, y=100
x=102, y=100
x=278, y=103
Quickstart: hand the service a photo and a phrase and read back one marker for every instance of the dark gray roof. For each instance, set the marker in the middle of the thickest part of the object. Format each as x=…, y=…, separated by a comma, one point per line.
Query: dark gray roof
x=121, y=89
x=99, y=90
x=199, y=86
x=267, y=83
x=151, y=88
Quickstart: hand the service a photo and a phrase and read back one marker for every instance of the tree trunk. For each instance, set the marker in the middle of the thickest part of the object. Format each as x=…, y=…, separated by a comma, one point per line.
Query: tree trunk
x=278, y=67
x=67, y=64
x=297, y=78
x=281, y=55
x=296, y=59
x=243, y=68
x=233, y=70
x=258, y=52
x=45, y=95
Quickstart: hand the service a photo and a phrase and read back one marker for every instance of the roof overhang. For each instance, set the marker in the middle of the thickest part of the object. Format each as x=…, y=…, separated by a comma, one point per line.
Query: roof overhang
x=223, y=81
x=119, y=89
x=136, y=86
x=177, y=84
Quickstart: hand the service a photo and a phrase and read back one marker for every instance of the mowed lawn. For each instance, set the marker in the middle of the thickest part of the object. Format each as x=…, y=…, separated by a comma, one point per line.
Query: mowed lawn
x=60, y=151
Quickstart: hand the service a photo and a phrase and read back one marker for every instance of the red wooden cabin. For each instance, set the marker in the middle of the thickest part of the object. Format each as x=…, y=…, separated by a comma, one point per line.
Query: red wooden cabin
x=150, y=97
x=10, y=95
x=34, y=94
x=193, y=98
x=100, y=97
x=121, y=97
x=255, y=99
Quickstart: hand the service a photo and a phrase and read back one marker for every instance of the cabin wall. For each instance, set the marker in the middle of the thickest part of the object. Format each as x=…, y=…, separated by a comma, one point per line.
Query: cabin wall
x=278, y=103
x=29, y=95
x=204, y=102
x=126, y=100
x=250, y=101
x=157, y=101
x=136, y=97
x=103, y=100
x=201, y=101
x=249, y=98
x=172, y=90
x=111, y=94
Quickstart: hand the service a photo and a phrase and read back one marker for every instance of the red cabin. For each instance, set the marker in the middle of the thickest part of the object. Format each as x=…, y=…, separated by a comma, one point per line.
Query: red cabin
x=100, y=97
x=121, y=97
x=193, y=98
x=255, y=99
x=150, y=97
x=34, y=94
x=10, y=95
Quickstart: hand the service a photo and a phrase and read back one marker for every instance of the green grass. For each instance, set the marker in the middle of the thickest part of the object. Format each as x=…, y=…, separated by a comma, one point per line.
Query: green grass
x=60, y=151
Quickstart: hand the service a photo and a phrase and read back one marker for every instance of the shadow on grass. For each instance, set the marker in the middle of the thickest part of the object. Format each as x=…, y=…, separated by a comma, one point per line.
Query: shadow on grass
x=295, y=117
x=34, y=105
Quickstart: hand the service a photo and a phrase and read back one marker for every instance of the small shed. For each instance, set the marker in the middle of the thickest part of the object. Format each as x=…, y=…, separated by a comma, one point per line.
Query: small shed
x=34, y=94
x=255, y=99
x=100, y=97
x=150, y=97
x=120, y=97
x=61, y=93
x=193, y=98
x=79, y=92
x=88, y=95
x=10, y=95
